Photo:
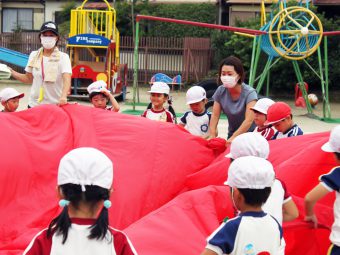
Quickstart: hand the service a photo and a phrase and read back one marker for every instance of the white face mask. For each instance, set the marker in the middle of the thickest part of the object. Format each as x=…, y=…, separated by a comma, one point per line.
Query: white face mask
x=229, y=81
x=48, y=42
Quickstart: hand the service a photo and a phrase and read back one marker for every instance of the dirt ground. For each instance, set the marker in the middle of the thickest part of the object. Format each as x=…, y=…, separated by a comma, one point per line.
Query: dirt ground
x=308, y=125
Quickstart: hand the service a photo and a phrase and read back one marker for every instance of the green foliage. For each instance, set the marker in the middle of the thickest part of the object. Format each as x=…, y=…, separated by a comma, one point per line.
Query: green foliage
x=193, y=12
x=64, y=28
x=282, y=75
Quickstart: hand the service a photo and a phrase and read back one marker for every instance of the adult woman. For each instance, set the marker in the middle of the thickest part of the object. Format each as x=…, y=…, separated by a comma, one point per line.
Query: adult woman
x=48, y=70
x=234, y=98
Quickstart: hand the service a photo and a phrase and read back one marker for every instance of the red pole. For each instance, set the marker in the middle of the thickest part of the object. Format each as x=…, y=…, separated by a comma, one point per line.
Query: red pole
x=200, y=24
x=331, y=33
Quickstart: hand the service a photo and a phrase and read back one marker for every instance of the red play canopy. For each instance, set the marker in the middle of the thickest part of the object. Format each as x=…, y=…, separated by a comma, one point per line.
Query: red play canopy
x=162, y=175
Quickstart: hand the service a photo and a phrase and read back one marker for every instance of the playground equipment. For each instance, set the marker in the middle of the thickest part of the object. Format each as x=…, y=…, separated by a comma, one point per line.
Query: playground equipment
x=293, y=33
x=13, y=57
x=93, y=29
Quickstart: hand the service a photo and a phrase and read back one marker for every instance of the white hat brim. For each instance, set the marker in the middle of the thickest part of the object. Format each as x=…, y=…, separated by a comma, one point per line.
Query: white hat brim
x=258, y=110
x=327, y=147
x=229, y=155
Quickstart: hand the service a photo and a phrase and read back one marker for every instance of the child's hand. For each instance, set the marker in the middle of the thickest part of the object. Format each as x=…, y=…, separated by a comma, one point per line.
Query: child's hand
x=313, y=219
x=106, y=92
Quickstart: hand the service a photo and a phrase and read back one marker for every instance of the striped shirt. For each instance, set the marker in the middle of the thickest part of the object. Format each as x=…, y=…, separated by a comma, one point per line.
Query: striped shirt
x=266, y=132
x=293, y=131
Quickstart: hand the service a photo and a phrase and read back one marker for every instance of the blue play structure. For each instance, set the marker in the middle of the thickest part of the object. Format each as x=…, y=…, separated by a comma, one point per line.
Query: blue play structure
x=13, y=57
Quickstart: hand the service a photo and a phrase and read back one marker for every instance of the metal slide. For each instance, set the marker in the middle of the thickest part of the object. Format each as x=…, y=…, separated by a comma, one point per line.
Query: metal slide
x=13, y=57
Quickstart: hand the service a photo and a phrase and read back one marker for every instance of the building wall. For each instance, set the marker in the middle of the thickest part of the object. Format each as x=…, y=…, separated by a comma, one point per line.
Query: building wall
x=38, y=11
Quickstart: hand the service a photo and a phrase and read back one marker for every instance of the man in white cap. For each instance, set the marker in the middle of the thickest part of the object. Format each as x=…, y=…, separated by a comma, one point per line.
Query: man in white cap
x=10, y=99
x=252, y=231
x=197, y=120
x=328, y=183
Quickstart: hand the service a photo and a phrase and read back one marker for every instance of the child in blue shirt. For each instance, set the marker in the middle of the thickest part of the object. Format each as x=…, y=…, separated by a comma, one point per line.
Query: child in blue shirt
x=197, y=120
x=328, y=183
x=252, y=231
x=280, y=116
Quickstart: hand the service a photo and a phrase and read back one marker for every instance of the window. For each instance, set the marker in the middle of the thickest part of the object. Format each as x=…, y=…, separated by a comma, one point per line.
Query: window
x=13, y=19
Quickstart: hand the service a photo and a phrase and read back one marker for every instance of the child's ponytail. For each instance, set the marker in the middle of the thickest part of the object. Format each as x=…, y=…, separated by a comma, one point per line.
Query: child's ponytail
x=171, y=109
x=60, y=224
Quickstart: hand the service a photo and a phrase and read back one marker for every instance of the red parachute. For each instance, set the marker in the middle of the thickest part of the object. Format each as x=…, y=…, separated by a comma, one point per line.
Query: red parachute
x=162, y=174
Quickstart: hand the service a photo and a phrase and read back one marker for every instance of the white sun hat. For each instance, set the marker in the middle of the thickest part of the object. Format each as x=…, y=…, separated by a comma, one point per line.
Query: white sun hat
x=160, y=87
x=195, y=94
x=250, y=173
x=249, y=144
x=262, y=105
x=97, y=86
x=86, y=166
x=9, y=93
x=333, y=144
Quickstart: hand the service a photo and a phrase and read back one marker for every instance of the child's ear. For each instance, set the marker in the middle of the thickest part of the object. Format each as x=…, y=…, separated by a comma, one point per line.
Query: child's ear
x=60, y=192
x=3, y=104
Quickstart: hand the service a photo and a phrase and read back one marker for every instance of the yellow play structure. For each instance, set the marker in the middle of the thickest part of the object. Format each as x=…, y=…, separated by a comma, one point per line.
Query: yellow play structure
x=93, y=33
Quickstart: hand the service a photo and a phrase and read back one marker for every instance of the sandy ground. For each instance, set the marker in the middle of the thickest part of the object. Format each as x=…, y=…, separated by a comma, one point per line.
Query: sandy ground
x=308, y=125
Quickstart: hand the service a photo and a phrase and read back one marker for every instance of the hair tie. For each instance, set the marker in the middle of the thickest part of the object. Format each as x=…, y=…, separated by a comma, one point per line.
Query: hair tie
x=107, y=204
x=63, y=202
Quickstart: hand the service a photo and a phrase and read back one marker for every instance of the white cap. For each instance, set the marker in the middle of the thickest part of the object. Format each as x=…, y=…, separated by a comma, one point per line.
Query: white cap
x=250, y=173
x=97, y=86
x=9, y=93
x=333, y=144
x=160, y=87
x=86, y=166
x=262, y=105
x=195, y=94
x=249, y=144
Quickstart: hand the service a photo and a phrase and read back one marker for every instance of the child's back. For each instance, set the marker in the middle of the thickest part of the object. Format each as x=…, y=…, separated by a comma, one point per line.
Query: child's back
x=84, y=182
x=253, y=231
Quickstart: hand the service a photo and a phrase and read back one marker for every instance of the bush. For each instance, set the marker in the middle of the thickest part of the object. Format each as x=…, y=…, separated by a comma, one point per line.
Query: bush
x=193, y=12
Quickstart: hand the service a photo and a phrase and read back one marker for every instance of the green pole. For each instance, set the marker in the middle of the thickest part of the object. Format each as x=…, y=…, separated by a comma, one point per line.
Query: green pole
x=326, y=114
x=251, y=75
x=268, y=84
x=135, y=66
x=257, y=56
x=322, y=80
x=264, y=74
x=302, y=86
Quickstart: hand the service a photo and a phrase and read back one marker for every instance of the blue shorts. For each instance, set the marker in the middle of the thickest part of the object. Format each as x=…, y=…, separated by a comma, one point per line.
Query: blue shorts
x=333, y=250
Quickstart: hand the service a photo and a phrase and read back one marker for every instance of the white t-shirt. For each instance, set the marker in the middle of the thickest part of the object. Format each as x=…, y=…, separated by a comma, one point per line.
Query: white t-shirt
x=52, y=91
x=196, y=124
x=248, y=233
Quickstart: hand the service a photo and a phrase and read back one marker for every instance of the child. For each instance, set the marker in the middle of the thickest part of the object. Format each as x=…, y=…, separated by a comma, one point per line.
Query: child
x=280, y=116
x=252, y=231
x=85, y=178
x=99, y=96
x=280, y=203
x=197, y=120
x=159, y=96
x=328, y=183
x=10, y=99
x=260, y=112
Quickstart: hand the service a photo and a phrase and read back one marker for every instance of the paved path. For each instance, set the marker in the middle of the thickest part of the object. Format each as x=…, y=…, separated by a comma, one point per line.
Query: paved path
x=308, y=125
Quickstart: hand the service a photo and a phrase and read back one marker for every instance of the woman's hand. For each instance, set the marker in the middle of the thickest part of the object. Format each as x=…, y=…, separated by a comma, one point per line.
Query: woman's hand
x=62, y=101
